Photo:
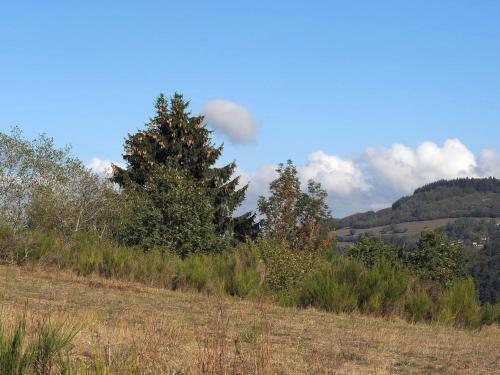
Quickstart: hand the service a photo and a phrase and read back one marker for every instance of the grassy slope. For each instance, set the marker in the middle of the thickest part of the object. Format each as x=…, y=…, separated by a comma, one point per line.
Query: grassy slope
x=164, y=329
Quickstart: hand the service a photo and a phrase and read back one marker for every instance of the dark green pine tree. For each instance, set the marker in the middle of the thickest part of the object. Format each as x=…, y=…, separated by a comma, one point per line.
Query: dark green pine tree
x=176, y=139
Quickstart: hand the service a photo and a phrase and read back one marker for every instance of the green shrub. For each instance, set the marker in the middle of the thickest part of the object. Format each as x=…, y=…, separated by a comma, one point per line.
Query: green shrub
x=9, y=244
x=44, y=353
x=243, y=269
x=198, y=271
x=380, y=288
x=345, y=285
x=285, y=268
x=116, y=261
x=418, y=307
x=460, y=305
x=15, y=357
x=437, y=258
x=321, y=289
x=50, y=346
x=152, y=267
x=26, y=246
x=297, y=278
x=369, y=250
x=490, y=314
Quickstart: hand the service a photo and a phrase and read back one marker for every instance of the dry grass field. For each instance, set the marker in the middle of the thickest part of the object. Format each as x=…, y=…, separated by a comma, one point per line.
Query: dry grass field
x=144, y=330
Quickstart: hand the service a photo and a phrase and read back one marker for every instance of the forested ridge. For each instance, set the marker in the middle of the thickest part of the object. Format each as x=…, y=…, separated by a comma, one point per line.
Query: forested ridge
x=464, y=197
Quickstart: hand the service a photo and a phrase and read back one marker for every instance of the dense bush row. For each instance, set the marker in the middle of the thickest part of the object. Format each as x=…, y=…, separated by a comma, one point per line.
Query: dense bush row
x=264, y=269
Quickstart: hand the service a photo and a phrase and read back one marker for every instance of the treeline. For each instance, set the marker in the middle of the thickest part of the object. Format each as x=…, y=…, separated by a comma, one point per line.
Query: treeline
x=481, y=240
x=466, y=197
x=167, y=218
x=482, y=185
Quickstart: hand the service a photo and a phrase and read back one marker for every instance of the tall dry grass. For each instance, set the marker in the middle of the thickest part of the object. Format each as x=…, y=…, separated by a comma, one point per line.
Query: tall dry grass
x=129, y=328
x=249, y=352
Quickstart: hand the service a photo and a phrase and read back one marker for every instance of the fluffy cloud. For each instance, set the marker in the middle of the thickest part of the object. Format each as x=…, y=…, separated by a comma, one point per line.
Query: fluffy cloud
x=337, y=175
x=371, y=181
x=230, y=119
x=258, y=183
x=381, y=174
x=404, y=168
x=489, y=163
x=342, y=179
x=102, y=167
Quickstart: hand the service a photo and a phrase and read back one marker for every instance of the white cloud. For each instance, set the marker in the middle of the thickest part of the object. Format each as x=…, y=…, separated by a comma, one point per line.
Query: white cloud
x=231, y=119
x=337, y=175
x=381, y=175
x=258, y=183
x=404, y=169
x=489, y=163
x=102, y=167
x=258, y=179
x=369, y=182
x=340, y=178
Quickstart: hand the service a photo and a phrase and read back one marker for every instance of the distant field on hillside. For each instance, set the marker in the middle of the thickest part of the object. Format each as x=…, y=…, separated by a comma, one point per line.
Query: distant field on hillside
x=160, y=331
x=411, y=229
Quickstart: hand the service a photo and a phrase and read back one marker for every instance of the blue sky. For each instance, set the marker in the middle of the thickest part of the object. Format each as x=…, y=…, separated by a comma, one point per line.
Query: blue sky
x=341, y=77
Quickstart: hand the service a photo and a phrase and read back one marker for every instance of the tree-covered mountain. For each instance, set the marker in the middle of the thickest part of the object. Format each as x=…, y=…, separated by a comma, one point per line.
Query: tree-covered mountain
x=464, y=197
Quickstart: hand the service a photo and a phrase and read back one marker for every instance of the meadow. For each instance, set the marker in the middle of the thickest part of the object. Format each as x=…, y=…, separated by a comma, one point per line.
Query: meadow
x=128, y=327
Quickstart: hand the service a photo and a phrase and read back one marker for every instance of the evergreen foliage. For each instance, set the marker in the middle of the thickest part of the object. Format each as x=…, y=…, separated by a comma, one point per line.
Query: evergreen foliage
x=460, y=305
x=484, y=185
x=174, y=202
x=170, y=212
x=179, y=144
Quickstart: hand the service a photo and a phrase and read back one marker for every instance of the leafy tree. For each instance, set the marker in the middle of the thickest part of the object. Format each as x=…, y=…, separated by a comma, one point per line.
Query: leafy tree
x=438, y=258
x=280, y=209
x=370, y=249
x=292, y=216
x=180, y=142
x=45, y=187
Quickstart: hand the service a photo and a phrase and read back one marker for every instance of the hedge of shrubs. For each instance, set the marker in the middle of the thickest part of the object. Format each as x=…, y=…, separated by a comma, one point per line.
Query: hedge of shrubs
x=263, y=269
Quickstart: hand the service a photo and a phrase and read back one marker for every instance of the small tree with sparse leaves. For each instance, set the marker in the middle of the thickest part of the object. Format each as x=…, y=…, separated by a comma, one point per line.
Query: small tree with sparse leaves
x=291, y=216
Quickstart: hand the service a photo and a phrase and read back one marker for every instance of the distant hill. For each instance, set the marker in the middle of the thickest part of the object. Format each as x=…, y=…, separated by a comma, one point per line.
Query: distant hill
x=464, y=197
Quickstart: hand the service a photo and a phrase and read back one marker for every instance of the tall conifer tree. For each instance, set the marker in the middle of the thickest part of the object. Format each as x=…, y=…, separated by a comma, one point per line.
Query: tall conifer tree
x=176, y=139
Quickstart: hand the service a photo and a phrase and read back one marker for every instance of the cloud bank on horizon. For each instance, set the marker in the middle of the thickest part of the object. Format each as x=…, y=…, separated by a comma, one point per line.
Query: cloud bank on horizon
x=379, y=176
x=374, y=179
